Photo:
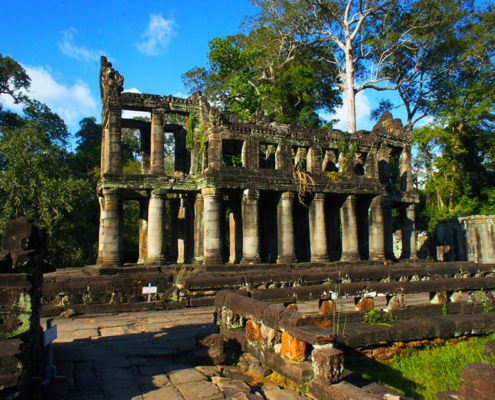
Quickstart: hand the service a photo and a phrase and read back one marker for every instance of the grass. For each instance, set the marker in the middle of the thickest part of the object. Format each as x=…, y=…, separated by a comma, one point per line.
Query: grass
x=421, y=374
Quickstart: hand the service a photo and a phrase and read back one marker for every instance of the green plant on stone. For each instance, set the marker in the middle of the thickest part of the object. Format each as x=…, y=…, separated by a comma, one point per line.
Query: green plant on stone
x=486, y=307
x=346, y=153
x=190, y=122
x=372, y=317
x=444, y=309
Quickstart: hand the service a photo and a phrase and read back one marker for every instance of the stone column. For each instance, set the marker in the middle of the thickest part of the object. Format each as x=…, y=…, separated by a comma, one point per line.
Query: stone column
x=143, y=230
x=113, y=233
x=183, y=236
x=198, y=257
x=113, y=142
x=376, y=229
x=156, y=228
x=318, y=233
x=350, y=250
x=408, y=232
x=250, y=227
x=406, y=181
x=212, y=217
x=145, y=149
x=104, y=149
x=173, y=202
x=157, y=141
x=101, y=236
x=285, y=223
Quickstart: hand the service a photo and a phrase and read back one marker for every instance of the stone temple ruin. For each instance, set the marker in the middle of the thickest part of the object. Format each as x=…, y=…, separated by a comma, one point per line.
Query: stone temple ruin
x=249, y=193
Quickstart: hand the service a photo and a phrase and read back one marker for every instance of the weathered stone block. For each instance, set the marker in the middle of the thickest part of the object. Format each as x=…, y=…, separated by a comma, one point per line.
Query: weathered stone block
x=210, y=349
x=327, y=306
x=365, y=304
x=253, y=332
x=328, y=364
x=292, y=348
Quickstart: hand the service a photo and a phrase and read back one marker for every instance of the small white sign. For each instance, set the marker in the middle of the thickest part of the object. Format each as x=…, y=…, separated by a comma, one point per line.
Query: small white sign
x=49, y=335
x=150, y=289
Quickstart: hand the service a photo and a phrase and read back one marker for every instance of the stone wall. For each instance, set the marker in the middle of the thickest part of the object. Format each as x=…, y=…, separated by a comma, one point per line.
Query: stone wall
x=464, y=239
x=21, y=263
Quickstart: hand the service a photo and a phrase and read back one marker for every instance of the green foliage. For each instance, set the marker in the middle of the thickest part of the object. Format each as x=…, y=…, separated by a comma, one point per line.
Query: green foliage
x=13, y=78
x=445, y=311
x=421, y=374
x=36, y=181
x=190, y=123
x=258, y=75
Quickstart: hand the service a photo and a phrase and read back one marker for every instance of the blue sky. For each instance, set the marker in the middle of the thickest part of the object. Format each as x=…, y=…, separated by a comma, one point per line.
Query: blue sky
x=150, y=43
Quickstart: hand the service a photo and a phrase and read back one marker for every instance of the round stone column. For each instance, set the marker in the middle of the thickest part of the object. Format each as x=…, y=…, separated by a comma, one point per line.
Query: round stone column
x=113, y=231
x=250, y=227
x=143, y=230
x=212, y=222
x=157, y=141
x=408, y=232
x=318, y=233
x=156, y=228
x=376, y=229
x=350, y=249
x=286, y=249
x=198, y=256
x=101, y=233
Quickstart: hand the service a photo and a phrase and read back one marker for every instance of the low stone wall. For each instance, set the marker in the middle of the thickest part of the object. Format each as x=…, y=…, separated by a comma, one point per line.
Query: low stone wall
x=21, y=265
x=464, y=239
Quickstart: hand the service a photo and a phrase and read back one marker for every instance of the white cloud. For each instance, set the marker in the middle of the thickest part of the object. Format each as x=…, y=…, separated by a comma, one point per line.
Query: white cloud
x=131, y=90
x=131, y=114
x=157, y=35
x=363, y=111
x=181, y=95
x=71, y=103
x=68, y=47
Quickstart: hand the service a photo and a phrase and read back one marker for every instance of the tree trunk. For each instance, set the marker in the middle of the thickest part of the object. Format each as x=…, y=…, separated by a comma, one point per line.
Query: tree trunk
x=350, y=94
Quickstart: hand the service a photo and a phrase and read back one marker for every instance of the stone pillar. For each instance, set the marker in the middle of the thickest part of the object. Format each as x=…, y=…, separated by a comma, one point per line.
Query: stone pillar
x=376, y=229
x=212, y=217
x=114, y=145
x=408, y=232
x=318, y=233
x=113, y=233
x=145, y=149
x=156, y=228
x=314, y=160
x=388, y=231
x=350, y=249
x=250, y=227
x=198, y=257
x=174, y=204
x=143, y=230
x=406, y=181
x=285, y=224
x=104, y=149
x=101, y=235
x=183, y=236
x=157, y=141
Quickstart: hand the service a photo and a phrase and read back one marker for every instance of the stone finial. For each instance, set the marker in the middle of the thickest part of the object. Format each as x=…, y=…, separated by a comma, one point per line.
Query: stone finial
x=111, y=82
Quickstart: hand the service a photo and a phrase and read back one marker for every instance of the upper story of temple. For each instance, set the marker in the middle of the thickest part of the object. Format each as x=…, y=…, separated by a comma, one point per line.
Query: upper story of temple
x=214, y=150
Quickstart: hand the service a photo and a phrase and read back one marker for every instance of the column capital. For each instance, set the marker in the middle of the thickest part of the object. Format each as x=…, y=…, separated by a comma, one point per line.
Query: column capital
x=159, y=193
x=287, y=195
x=159, y=112
x=112, y=192
x=210, y=192
x=319, y=196
x=251, y=193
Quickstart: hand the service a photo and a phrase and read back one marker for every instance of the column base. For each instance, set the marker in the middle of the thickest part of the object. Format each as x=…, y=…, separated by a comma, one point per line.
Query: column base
x=409, y=257
x=354, y=256
x=319, y=259
x=251, y=260
x=377, y=256
x=112, y=261
x=213, y=260
x=142, y=260
x=286, y=260
x=99, y=261
x=156, y=260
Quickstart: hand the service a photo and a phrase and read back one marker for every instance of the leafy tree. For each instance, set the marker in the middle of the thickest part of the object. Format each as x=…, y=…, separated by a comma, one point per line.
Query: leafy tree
x=13, y=78
x=259, y=75
x=35, y=179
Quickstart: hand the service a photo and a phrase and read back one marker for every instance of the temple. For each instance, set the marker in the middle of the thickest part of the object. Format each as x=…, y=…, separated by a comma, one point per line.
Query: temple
x=252, y=192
